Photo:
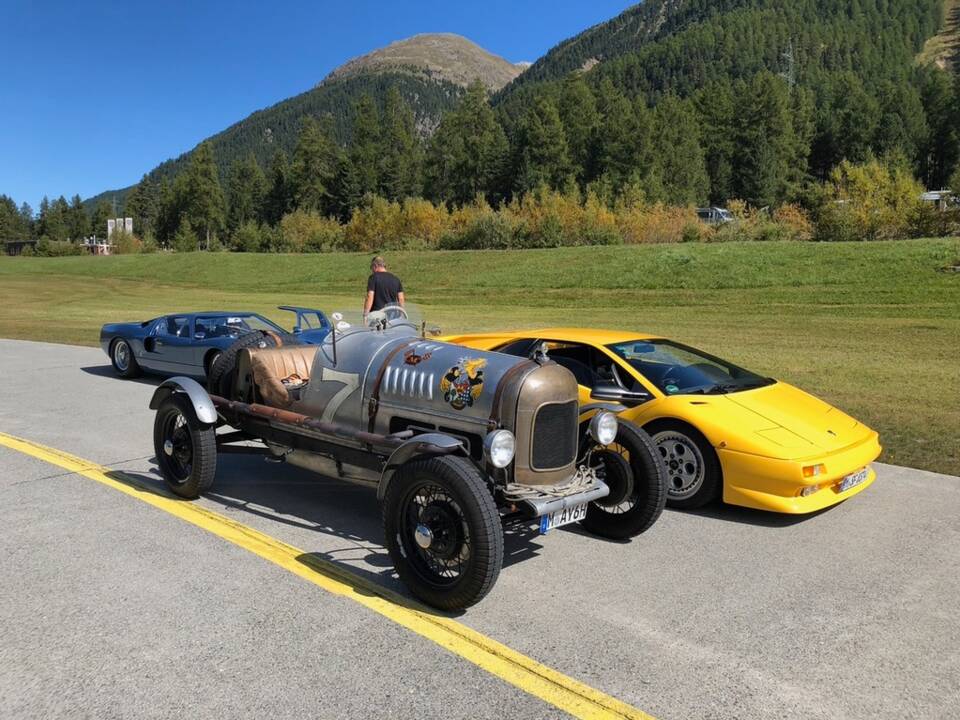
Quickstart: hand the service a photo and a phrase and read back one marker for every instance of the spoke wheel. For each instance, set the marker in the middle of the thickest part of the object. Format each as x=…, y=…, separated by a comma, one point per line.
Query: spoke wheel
x=185, y=448
x=440, y=551
x=443, y=531
x=632, y=470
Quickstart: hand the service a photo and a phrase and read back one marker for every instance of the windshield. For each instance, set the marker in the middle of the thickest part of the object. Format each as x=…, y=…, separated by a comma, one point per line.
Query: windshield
x=389, y=316
x=233, y=325
x=678, y=369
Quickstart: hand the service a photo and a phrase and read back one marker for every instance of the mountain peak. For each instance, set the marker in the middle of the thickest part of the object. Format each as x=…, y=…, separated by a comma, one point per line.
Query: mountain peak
x=439, y=56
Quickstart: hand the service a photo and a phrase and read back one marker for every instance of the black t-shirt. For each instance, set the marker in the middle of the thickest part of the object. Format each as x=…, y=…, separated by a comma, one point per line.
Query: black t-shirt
x=386, y=288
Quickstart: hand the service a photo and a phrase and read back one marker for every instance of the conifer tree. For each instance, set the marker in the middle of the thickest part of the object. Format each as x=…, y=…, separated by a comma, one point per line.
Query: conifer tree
x=541, y=152
x=468, y=152
x=361, y=168
x=78, y=223
x=279, y=198
x=98, y=221
x=143, y=205
x=203, y=197
x=681, y=167
x=313, y=169
x=401, y=154
x=246, y=187
x=578, y=113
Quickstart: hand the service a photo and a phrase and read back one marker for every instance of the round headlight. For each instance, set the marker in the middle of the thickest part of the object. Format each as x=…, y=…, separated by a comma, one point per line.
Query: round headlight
x=603, y=427
x=499, y=447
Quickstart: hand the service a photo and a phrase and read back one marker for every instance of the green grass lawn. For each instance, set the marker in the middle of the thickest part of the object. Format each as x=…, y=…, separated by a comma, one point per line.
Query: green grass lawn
x=871, y=327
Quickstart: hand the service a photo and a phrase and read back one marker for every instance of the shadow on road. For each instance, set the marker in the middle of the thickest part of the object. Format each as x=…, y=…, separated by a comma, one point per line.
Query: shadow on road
x=302, y=500
x=107, y=371
x=747, y=516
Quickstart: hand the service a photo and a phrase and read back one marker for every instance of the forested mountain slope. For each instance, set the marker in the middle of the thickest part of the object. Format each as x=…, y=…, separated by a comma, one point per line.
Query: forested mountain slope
x=429, y=71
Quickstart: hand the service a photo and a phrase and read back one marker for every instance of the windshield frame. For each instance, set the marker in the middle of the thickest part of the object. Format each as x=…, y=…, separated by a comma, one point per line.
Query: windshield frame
x=754, y=380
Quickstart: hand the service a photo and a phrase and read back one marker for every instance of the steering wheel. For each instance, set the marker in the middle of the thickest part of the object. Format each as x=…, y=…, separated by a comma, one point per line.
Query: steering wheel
x=394, y=312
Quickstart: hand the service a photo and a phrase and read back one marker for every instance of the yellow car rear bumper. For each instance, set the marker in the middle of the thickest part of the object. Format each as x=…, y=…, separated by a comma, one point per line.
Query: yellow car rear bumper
x=777, y=485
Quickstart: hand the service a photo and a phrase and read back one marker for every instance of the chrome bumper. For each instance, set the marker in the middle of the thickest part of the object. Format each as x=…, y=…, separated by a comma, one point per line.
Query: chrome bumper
x=537, y=506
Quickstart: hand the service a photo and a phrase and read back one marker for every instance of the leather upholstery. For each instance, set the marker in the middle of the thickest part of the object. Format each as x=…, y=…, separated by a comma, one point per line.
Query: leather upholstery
x=271, y=366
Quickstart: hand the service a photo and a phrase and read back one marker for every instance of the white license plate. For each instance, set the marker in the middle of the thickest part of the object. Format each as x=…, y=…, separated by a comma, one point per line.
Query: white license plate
x=568, y=515
x=854, y=479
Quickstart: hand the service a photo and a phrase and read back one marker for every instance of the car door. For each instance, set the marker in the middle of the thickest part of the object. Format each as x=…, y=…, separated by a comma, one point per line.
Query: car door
x=173, y=344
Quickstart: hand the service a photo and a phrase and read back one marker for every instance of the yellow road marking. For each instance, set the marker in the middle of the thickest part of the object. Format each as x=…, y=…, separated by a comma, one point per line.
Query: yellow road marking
x=532, y=677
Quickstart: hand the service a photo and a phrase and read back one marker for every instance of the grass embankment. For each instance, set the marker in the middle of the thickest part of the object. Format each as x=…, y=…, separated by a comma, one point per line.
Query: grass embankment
x=870, y=327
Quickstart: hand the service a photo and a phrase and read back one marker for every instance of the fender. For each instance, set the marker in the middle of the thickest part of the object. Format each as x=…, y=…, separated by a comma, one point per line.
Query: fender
x=426, y=445
x=615, y=408
x=202, y=404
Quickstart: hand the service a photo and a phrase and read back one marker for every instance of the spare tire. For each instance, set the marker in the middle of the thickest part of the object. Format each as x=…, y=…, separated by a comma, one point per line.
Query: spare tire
x=222, y=377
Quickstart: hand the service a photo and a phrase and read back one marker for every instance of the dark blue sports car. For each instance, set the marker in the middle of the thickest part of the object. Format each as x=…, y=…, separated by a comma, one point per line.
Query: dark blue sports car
x=189, y=343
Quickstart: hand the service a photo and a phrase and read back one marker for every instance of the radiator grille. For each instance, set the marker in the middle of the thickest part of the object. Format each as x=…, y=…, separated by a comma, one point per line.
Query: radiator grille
x=555, y=436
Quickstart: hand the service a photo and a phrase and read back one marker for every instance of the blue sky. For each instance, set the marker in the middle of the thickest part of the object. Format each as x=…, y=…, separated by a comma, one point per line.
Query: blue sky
x=95, y=94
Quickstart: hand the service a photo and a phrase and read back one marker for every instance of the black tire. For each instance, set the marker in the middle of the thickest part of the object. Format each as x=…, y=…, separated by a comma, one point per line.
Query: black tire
x=211, y=359
x=448, y=496
x=222, y=375
x=677, y=442
x=122, y=359
x=637, y=482
x=186, y=449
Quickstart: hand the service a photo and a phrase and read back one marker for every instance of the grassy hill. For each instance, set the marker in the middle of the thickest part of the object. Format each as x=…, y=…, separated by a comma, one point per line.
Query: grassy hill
x=871, y=327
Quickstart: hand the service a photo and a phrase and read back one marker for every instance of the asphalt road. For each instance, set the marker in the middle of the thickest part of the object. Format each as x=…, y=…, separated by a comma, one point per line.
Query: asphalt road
x=110, y=608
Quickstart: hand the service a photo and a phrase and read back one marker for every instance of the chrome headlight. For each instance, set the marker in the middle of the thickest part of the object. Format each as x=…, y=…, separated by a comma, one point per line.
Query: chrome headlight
x=499, y=447
x=603, y=427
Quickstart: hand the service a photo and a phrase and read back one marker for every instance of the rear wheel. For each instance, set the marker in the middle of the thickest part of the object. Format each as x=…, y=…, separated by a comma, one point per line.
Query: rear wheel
x=186, y=449
x=443, y=531
x=124, y=362
x=635, y=476
x=694, y=476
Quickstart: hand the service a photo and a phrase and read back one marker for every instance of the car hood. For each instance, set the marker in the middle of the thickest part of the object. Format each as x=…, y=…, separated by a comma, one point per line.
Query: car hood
x=800, y=416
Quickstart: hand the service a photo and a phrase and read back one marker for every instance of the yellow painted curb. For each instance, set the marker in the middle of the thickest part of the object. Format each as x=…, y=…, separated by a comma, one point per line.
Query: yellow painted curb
x=532, y=677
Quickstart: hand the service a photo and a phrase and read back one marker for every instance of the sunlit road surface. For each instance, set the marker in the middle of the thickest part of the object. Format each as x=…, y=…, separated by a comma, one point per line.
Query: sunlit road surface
x=114, y=606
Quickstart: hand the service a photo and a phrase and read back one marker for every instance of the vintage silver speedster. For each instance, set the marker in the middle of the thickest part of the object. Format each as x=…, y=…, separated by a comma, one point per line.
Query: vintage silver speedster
x=454, y=440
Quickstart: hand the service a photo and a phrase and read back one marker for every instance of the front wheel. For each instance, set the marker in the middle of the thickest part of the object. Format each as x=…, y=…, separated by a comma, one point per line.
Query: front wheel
x=694, y=476
x=633, y=472
x=186, y=449
x=443, y=531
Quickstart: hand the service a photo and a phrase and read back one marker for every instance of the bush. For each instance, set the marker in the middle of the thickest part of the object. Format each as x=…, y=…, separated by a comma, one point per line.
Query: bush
x=483, y=232
x=639, y=223
x=57, y=248
x=305, y=231
x=378, y=226
x=868, y=201
x=125, y=243
x=149, y=245
x=185, y=239
x=248, y=238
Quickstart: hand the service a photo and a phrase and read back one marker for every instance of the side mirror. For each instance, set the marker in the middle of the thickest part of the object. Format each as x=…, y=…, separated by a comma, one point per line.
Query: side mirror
x=297, y=330
x=614, y=393
x=199, y=335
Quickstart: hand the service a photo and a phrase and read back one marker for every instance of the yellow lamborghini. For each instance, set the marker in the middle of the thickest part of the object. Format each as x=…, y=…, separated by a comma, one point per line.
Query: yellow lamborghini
x=721, y=430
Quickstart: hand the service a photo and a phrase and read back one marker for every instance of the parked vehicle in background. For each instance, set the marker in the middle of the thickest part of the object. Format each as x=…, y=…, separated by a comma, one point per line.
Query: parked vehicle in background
x=714, y=215
x=455, y=441
x=190, y=343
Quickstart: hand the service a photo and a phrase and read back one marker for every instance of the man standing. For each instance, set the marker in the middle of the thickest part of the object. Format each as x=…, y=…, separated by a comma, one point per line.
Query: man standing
x=383, y=288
